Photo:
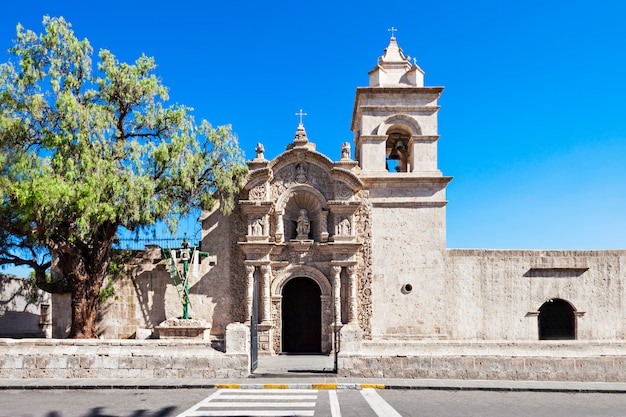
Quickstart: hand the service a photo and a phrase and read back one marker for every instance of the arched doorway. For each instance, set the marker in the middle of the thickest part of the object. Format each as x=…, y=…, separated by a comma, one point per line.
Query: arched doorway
x=301, y=316
x=557, y=320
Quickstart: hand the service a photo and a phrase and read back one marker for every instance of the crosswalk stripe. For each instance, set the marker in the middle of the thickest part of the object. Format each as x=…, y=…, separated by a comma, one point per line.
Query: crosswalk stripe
x=270, y=391
x=380, y=406
x=248, y=413
x=271, y=396
x=334, y=404
x=245, y=402
x=257, y=404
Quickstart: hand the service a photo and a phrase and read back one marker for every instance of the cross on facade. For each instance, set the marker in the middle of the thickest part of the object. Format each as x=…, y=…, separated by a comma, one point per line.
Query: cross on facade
x=392, y=30
x=300, y=113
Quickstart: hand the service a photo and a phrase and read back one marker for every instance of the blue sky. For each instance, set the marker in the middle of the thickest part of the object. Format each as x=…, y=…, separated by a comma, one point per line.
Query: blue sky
x=532, y=119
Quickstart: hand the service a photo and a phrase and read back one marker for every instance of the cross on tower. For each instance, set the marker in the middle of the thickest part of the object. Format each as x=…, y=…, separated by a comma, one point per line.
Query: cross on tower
x=392, y=30
x=300, y=113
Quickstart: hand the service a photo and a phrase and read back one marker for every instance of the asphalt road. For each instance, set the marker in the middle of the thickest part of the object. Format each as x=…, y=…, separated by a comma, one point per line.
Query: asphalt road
x=334, y=403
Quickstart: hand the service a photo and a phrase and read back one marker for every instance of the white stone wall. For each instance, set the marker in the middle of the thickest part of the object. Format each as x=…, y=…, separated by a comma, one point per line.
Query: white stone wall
x=20, y=308
x=520, y=361
x=118, y=359
x=490, y=293
x=407, y=249
x=486, y=294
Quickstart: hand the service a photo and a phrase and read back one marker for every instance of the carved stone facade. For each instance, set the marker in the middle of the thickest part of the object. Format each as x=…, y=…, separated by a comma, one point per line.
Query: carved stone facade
x=357, y=247
x=299, y=211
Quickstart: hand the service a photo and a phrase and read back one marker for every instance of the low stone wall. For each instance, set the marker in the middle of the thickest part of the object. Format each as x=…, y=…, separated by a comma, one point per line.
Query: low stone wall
x=55, y=358
x=534, y=361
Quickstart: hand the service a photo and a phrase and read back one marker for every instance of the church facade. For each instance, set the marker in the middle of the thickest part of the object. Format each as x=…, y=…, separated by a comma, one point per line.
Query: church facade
x=317, y=250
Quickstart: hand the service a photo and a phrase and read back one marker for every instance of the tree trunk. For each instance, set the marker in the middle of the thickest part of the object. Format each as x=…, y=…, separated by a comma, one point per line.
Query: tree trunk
x=85, y=267
x=85, y=299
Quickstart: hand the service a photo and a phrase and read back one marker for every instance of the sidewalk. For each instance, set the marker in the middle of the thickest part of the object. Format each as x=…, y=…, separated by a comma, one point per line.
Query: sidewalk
x=316, y=382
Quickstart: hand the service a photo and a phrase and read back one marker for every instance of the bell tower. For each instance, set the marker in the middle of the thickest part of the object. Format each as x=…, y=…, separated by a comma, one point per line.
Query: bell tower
x=395, y=134
x=394, y=122
x=395, y=118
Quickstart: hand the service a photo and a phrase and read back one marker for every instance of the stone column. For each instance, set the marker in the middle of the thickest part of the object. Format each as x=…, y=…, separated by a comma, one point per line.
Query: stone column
x=250, y=290
x=266, y=272
x=324, y=226
x=280, y=228
x=337, y=292
x=354, y=313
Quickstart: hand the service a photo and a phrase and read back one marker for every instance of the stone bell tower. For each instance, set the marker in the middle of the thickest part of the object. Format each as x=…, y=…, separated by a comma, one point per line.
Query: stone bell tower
x=395, y=134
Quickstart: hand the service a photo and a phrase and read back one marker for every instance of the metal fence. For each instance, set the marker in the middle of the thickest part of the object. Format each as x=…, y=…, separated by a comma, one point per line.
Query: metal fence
x=164, y=242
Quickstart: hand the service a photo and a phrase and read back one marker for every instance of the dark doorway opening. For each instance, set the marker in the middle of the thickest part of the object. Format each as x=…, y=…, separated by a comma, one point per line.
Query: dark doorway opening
x=557, y=320
x=302, y=317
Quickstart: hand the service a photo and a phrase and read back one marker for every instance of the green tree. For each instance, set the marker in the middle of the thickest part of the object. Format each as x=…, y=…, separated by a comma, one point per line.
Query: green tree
x=86, y=150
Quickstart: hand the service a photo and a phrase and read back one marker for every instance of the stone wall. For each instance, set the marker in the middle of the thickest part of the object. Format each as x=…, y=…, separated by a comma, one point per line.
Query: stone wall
x=467, y=294
x=543, y=361
x=21, y=308
x=495, y=294
x=144, y=296
x=118, y=359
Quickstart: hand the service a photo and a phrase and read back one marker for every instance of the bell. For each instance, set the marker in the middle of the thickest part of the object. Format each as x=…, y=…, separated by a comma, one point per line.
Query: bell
x=400, y=146
x=394, y=154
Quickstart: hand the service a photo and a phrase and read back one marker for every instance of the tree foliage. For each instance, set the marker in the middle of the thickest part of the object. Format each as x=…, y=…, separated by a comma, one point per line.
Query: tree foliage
x=87, y=149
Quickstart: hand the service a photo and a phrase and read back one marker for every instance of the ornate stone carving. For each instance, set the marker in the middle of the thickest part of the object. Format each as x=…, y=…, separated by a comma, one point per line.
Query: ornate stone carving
x=364, y=268
x=304, y=225
x=276, y=307
x=257, y=193
x=301, y=173
x=342, y=191
x=344, y=227
x=256, y=225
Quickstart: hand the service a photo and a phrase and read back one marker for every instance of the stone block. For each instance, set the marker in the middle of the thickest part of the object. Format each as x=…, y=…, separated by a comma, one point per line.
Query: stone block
x=86, y=362
x=105, y=362
x=73, y=362
x=13, y=362
x=237, y=338
x=84, y=373
x=372, y=373
x=351, y=338
x=209, y=373
x=179, y=362
x=142, y=333
x=29, y=362
x=56, y=362
x=131, y=362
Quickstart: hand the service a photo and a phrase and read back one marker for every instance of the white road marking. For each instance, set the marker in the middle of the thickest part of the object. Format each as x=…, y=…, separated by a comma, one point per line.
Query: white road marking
x=268, y=396
x=376, y=402
x=257, y=404
x=251, y=413
x=200, y=404
x=334, y=404
x=245, y=402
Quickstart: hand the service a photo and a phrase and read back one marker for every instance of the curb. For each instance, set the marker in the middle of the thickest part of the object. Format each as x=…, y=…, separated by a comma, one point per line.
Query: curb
x=450, y=386
x=328, y=386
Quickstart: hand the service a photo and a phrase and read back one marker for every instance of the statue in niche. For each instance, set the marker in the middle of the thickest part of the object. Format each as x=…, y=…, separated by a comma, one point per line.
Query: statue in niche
x=301, y=174
x=257, y=227
x=345, y=150
x=344, y=227
x=303, y=227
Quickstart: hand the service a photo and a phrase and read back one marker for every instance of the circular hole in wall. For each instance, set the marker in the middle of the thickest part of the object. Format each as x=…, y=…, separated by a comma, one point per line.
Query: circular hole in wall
x=407, y=288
